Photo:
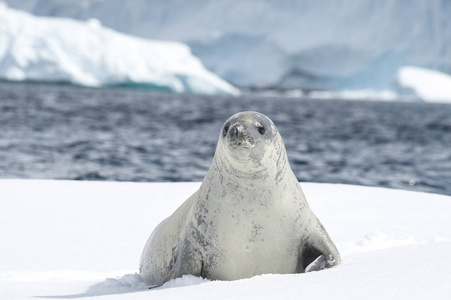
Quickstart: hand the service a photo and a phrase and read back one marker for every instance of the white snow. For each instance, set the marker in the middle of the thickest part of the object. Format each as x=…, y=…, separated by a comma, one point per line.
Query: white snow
x=424, y=84
x=304, y=44
x=68, y=239
x=86, y=53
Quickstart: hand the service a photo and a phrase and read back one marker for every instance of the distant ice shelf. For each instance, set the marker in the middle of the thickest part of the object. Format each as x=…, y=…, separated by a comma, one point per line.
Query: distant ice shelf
x=86, y=53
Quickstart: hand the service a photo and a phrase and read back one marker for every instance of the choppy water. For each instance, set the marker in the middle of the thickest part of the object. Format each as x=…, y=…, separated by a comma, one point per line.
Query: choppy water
x=63, y=132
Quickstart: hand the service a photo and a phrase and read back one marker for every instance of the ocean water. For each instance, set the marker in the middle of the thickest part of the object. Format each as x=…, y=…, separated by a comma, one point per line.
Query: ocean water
x=64, y=132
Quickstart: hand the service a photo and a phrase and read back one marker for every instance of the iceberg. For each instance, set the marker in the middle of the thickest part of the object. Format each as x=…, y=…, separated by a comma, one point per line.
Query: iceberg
x=424, y=84
x=86, y=53
x=312, y=45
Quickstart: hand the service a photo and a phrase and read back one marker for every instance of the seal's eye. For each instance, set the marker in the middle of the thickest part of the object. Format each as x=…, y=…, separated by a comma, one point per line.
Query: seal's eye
x=226, y=129
x=261, y=128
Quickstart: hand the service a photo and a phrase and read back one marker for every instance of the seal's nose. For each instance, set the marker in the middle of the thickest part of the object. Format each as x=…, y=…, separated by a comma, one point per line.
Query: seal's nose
x=236, y=130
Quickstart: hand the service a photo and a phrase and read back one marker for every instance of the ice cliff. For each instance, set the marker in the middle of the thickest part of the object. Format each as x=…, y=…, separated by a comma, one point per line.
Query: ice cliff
x=86, y=53
x=309, y=44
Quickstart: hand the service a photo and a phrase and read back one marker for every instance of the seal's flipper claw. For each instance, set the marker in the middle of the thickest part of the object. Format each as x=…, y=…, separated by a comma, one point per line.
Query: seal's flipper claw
x=153, y=287
x=317, y=265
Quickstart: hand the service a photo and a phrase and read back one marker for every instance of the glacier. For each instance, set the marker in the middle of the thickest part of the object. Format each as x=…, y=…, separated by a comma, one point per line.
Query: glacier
x=87, y=53
x=285, y=44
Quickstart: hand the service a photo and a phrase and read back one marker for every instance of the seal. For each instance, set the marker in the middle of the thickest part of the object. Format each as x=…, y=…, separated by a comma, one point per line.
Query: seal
x=249, y=216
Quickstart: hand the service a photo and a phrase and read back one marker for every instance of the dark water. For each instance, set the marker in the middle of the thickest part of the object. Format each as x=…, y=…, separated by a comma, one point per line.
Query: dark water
x=63, y=132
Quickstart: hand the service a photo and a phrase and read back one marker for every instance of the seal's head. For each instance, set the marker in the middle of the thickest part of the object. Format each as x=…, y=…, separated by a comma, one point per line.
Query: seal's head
x=250, y=137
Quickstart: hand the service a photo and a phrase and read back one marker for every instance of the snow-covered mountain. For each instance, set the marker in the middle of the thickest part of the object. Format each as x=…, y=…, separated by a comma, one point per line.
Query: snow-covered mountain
x=309, y=44
x=86, y=53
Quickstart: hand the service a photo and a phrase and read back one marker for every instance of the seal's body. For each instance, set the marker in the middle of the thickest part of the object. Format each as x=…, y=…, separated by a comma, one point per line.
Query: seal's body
x=249, y=216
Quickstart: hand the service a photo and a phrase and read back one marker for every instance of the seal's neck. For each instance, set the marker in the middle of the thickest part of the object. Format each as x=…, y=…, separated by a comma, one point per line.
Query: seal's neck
x=250, y=174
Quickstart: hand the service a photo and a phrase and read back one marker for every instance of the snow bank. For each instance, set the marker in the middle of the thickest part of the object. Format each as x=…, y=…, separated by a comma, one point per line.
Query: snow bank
x=86, y=53
x=64, y=239
x=285, y=44
x=424, y=84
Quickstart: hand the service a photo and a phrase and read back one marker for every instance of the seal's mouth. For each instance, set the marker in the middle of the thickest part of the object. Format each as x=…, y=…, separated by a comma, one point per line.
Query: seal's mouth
x=245, y=144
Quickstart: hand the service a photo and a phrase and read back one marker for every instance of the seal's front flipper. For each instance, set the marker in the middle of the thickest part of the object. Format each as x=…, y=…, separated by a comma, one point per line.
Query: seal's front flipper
x=313, y=259
x=153, y=286
x=187, y=261
x=320, y=249
x=317, y=265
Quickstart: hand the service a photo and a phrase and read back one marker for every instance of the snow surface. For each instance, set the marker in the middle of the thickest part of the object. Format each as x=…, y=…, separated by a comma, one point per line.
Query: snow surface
x=305, y=44
x=424, y=84
x=86, y=53
x=68, y=239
